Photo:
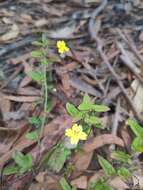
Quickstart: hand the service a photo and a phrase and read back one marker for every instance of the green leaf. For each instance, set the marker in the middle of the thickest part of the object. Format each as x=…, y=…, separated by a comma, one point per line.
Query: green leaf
x=101, y=185
x=58, y=158
x=121, y=156
x=36, y=121
x=45, y=40
x=100, y=108
x=136, y=128
x=37, y=54
x=86, y=104
x=32, y=135
x=36, y=75
x=106, y=166
x=19, y=158
x=93, y=120
x=25, y=162
x=44, y=61
x=124, y=173
x=73, y=111
x=137, y=144
x=11, y=170
x=37, y=43
x=64, y=184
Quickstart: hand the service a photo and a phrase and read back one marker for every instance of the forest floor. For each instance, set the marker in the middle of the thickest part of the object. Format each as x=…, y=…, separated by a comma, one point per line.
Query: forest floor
x=96, y=83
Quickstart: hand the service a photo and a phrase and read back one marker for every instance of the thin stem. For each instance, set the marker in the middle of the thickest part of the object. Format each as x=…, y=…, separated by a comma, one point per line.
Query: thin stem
x=45, y=102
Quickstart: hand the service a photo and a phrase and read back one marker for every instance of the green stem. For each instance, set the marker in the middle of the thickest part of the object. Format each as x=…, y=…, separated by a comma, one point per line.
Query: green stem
x=45, y=103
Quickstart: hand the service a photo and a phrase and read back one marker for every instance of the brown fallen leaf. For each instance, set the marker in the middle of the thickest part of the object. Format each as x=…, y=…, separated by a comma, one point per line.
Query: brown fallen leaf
x=21, y=98
x=55, y=127
x=99, y=141
x=5, y=104
x=82, y=160
x=28, y=91
x=25, y=81
x=80, y=182
x=13, y=33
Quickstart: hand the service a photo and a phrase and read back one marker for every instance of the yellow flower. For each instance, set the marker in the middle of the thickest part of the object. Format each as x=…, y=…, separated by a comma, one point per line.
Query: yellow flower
x=62, y=47
x=75, y=134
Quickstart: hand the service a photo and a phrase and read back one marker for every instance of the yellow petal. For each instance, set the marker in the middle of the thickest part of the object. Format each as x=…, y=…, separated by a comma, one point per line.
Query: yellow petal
x=77, y=128
x=68, y=133
x=74, y=140
x=82, y=136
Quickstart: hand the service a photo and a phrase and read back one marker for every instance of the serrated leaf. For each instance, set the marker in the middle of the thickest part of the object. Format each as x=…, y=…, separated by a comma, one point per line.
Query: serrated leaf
x=93, y=120
x=36, y=75
x=137, y=144
x=100, y=108
x=121, y=156
x=136, y=128
x=106, y=166
x=11, y=170
x=73, y=111
x=124, y=173
x=64, y=184
x=32, y=135
x=101, y=185
x=58, y=158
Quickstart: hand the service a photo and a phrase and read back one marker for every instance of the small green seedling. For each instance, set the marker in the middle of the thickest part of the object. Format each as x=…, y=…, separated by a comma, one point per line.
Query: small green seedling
x=86, y=112
x=23, y=163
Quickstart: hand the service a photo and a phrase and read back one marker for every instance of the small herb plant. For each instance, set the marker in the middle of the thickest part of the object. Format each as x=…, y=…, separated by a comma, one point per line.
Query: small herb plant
x=23, y=163
x=127, y=165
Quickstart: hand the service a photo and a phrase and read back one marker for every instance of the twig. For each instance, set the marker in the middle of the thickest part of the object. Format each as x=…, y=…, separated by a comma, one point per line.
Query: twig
x=131, y=45
x=106, y=61
x=127, y=61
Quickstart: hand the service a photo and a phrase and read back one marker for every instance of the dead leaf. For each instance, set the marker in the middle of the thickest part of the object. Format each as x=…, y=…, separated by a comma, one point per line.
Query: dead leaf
x=21, y=98
x=83, y=86
x=80, y=182
x=13, y=33
x=56, y=126
x=138, y=98
x=82, y=160
x=5, y=104
x=118, y=183
x=41, y=22
x=99, y=141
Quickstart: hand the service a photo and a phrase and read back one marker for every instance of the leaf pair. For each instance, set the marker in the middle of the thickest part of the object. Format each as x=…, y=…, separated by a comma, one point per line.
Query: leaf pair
x=23, y=163
x=110, y=170
x=86, y=111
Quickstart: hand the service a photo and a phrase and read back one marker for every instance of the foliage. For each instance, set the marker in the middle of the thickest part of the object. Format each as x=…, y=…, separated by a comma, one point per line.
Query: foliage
x=107, y=167
x=57, y=158
x=86, y=112
x=137, y=144
x=65, y=186
x=23, y=162
x=100, y=185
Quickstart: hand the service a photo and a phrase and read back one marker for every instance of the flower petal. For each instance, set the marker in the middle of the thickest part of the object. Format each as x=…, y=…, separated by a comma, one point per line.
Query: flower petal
x=74, y=140
x=77, y=128
x=69, y=133
x=82, y=136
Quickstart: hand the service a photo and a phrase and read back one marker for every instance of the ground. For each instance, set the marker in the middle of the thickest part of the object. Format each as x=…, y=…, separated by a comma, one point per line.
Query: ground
x=84, y=69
